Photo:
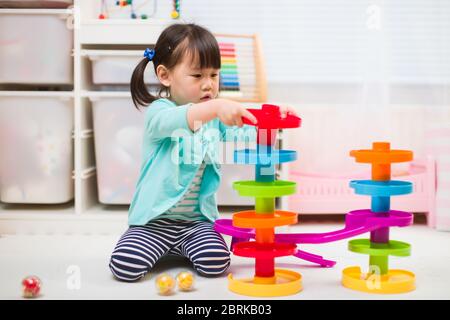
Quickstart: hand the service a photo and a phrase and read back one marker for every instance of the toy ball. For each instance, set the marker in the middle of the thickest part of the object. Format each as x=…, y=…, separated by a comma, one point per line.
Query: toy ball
x=165, y=284
x=185, y=281
x=31, y=287
x=174, y=14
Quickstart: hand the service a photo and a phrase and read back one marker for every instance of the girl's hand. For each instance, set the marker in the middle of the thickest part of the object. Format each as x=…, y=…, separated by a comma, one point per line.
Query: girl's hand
x=231, y=113
x=285, y=110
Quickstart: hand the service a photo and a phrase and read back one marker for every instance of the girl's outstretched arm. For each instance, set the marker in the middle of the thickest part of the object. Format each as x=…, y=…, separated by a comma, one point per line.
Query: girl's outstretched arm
x=229, y=112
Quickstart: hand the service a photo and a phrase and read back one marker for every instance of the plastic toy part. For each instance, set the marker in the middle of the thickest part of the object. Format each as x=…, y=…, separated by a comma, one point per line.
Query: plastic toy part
x=283, y=283
x=269, y=117
x=165, y=284
x=251, y=219
x=269, y=120
x=357, y=222
x=254, y=157
x=370, y=221
x=185, y=281
x=379, y=247
x=394, y=282
x=31, y=287
x=278, y=188
x=380, y=156
x=381, y=188
x=263, y=250
x=379, y=252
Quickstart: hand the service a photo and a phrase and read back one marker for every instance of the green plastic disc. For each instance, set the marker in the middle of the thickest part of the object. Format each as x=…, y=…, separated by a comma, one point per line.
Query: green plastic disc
x=277, y=188
x=393, y=248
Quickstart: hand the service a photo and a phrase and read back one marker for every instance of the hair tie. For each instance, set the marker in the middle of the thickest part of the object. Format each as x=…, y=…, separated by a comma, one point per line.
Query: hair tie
x=149, y=54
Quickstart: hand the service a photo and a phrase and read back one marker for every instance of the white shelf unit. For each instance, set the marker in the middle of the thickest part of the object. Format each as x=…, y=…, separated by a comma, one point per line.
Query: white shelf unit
x=85, y=214
x=102, y=36
x=63, y=12
x=24, y=218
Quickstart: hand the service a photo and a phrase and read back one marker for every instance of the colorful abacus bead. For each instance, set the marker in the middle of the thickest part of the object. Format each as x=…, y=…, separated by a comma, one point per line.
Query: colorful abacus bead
x=175, y=14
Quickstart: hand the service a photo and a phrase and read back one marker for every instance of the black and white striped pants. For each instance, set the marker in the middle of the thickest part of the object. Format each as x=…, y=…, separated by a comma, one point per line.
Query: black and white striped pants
x=140, y=247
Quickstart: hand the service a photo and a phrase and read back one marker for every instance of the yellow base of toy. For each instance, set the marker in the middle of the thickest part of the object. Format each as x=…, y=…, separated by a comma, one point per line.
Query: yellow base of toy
x=286, y=283
x=395, y=281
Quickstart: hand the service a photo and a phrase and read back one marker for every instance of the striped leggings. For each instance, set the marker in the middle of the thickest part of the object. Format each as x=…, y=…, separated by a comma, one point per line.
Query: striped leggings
x=140, y=247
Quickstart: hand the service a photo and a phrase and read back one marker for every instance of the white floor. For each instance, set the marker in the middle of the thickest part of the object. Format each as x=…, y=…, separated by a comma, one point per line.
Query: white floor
x=76, y=267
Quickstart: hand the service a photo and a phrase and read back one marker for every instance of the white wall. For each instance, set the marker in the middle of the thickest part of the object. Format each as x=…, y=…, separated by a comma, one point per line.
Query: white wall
x=357, y=70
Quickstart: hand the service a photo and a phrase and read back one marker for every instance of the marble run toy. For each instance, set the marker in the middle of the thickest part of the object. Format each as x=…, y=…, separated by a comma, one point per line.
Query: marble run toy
x=379, y=247
x=267, y=281
x=259, y=224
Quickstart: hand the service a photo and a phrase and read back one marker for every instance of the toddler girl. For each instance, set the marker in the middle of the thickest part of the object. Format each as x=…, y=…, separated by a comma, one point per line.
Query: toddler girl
x=174, y=205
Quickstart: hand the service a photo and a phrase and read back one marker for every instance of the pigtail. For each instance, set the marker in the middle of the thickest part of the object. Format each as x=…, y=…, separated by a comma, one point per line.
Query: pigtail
x=139, y=92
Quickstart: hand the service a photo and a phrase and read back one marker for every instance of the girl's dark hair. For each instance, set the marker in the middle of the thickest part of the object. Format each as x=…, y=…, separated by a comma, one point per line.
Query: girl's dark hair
x=170, y=48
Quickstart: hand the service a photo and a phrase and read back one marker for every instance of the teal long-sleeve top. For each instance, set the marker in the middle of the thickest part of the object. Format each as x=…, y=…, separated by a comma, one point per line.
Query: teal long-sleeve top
x=172, y=154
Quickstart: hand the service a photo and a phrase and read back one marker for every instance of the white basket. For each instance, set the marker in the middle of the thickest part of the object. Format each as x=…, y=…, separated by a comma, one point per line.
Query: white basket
x=116, y=66
x=118, y=132
x=36, y=160
x=35, y=49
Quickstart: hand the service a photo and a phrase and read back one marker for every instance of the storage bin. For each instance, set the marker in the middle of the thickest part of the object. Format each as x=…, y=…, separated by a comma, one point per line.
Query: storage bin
x=35, y=49
x=116, y=67
x=118, y=133
x=36, y=150
x=35, y=3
